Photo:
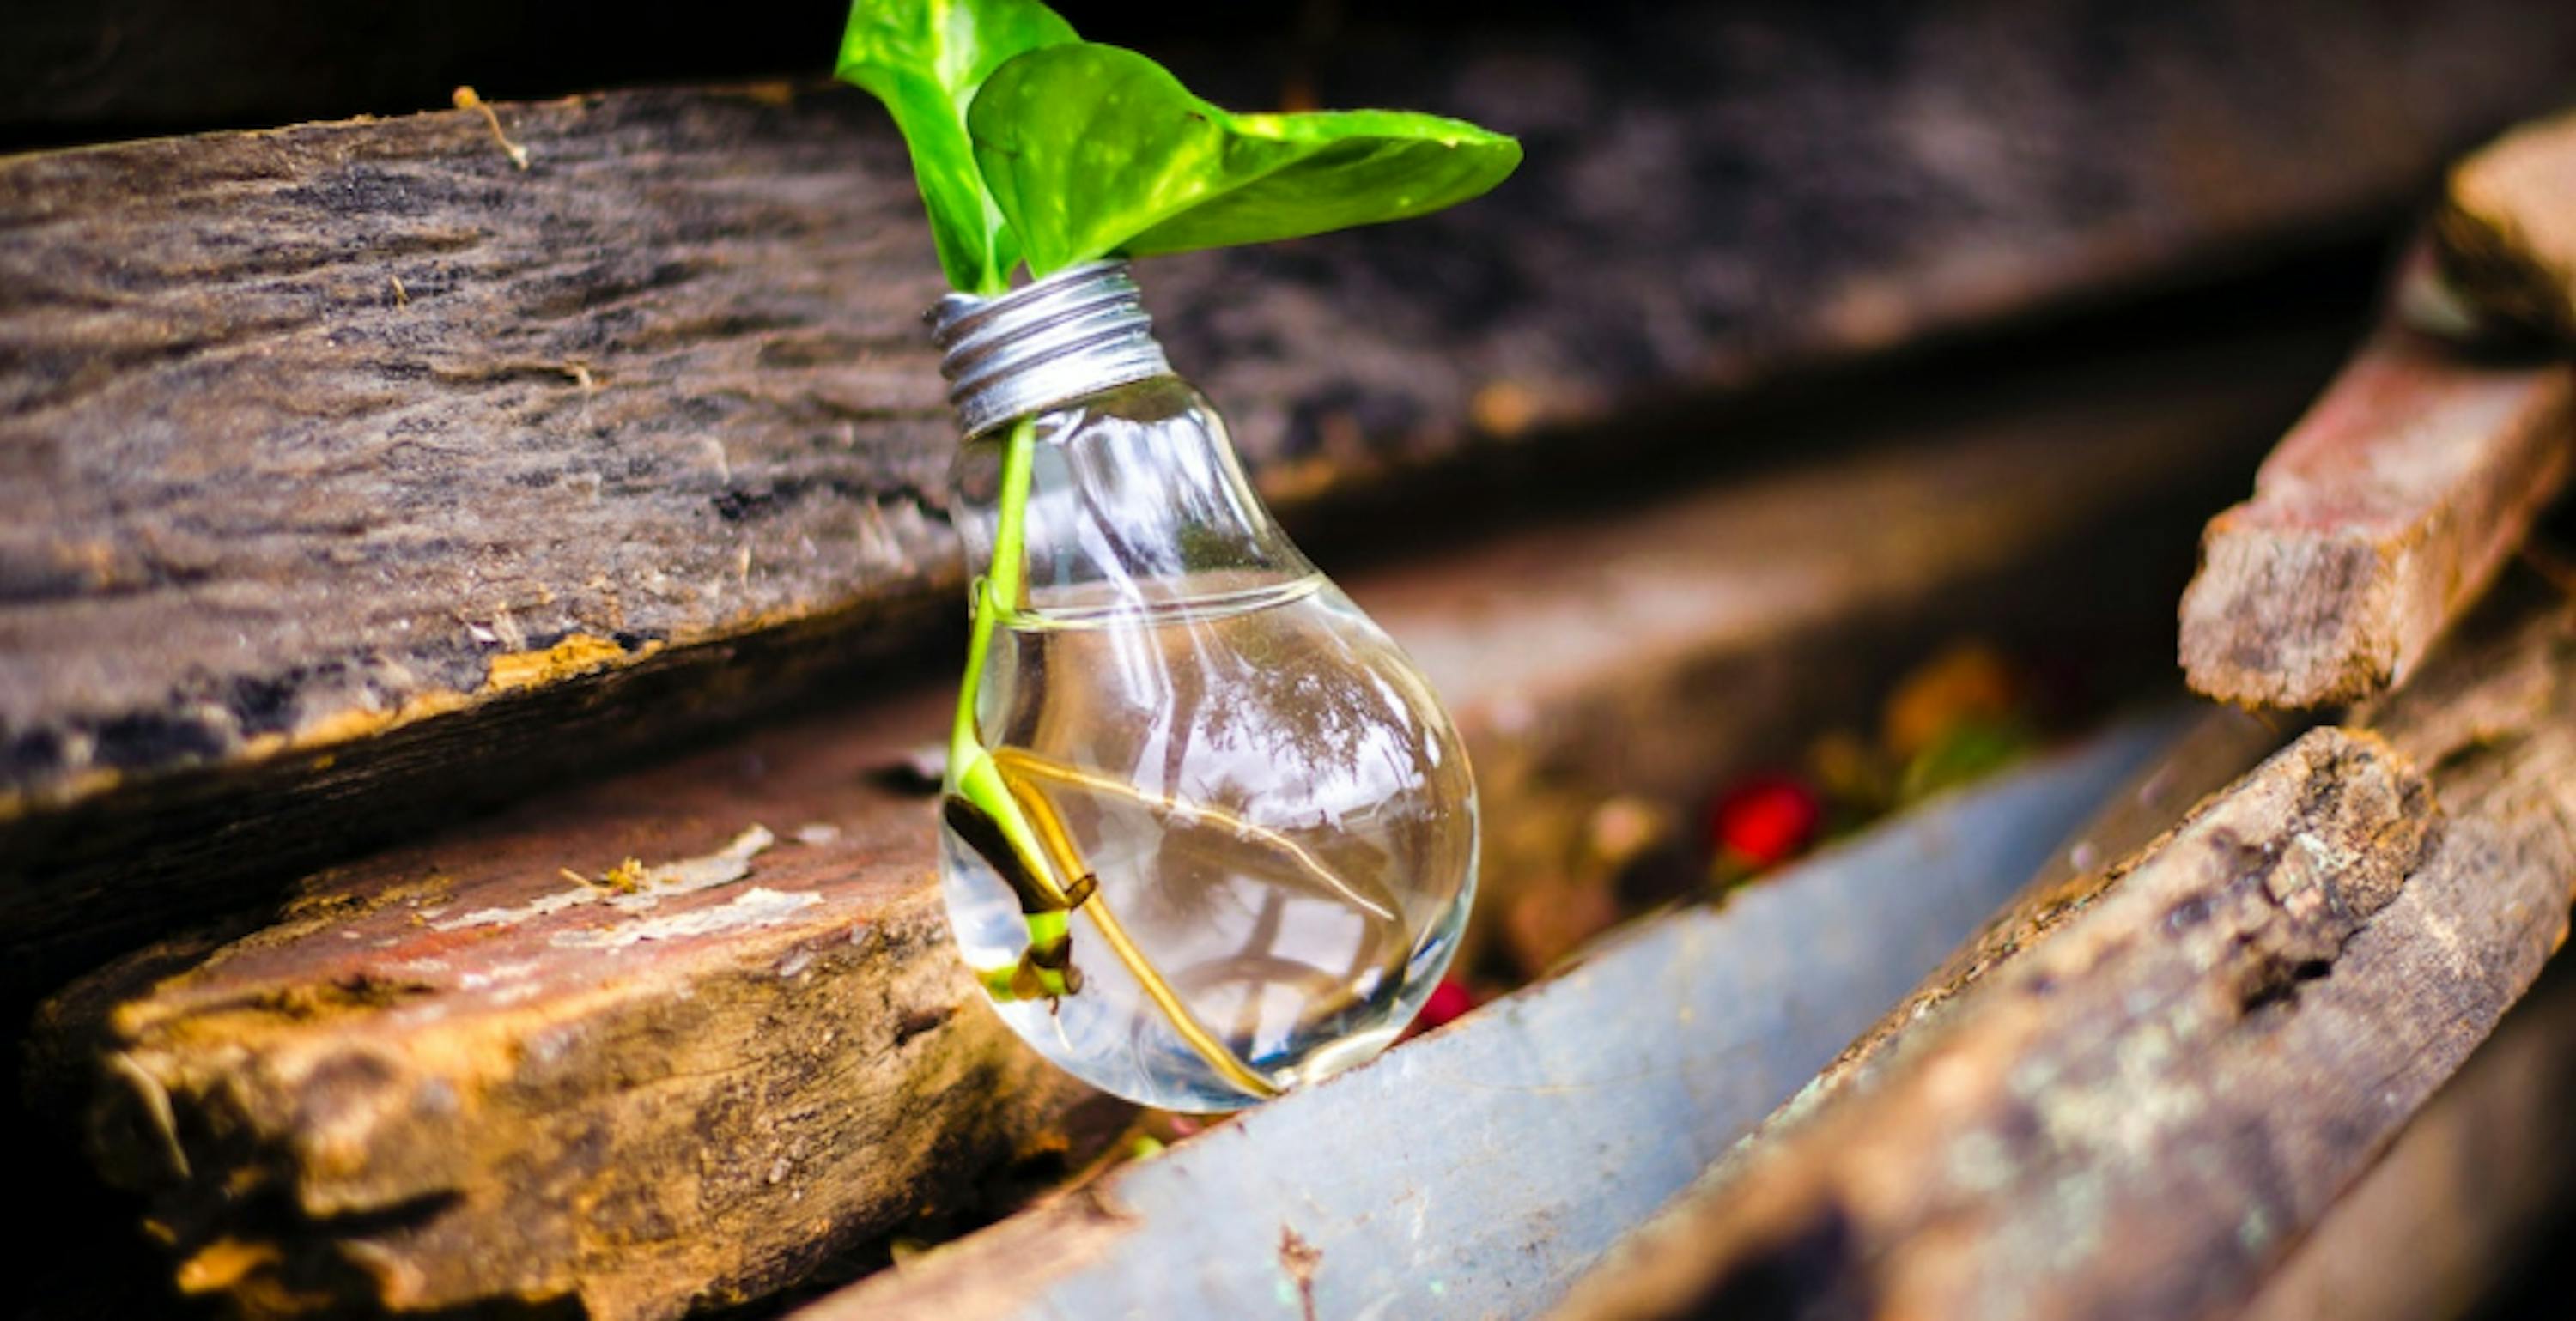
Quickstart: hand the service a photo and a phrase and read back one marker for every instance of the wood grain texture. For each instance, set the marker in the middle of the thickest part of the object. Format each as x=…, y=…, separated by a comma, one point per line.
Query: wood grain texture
x=2379, y=520
x=2476, y=1187
x=346, y=462
x=2139, y=1114
x=2220, y=747
x=463, y=1073
x=2507, y=229
x=453, y=1075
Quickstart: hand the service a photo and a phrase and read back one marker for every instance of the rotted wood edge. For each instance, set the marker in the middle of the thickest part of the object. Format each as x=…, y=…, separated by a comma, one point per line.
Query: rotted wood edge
x=2140, y=1114
x=2217, y=748
x=2468, y=1197
x=2379, y=519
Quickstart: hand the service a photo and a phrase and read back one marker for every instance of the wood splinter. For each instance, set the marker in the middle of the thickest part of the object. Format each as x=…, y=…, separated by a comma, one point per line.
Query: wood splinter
x=467, y=99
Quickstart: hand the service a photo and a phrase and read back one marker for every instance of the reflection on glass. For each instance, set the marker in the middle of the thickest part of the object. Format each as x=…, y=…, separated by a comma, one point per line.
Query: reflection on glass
x=1277, y=813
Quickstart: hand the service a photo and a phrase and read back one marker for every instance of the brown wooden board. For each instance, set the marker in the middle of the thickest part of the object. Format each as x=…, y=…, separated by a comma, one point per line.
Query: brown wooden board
x=451, y=1073
x=2219, y=747
x=348, y=464
x=2379, y=519
x=2142, y=1111
x=2474, y=1191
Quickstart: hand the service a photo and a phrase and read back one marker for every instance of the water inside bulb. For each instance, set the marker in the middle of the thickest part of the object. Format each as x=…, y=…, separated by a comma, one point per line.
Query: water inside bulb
x=1209, y=835
x=1279, y=817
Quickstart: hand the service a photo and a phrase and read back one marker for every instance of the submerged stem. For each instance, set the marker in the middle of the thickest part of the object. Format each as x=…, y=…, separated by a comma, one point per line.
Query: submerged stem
x=1045, y=851
x=971, y=768
x=999, y=590
x=1060, y=848
x=1020, y=763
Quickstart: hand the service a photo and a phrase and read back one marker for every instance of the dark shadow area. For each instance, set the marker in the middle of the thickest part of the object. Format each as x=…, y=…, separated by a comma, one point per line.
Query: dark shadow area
x=75, y=71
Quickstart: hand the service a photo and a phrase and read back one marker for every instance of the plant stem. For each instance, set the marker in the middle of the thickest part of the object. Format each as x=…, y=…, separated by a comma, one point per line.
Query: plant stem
x=1046, y=850
x=1060, y=847
x=999, y=592
x=1021, y=764
x=972, y=772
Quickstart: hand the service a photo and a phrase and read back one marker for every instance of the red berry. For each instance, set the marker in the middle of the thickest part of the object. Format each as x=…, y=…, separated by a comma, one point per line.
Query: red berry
x=1449, y=999
x=1765, y=820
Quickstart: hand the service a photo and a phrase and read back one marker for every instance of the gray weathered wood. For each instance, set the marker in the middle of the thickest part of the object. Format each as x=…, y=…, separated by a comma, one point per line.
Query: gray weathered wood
x=617, y=1113
x=2139, y=1115
x=346, y=463
x=1474, y=1172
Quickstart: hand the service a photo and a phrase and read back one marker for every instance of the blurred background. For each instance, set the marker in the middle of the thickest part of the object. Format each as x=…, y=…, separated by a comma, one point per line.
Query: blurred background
x=87, y=72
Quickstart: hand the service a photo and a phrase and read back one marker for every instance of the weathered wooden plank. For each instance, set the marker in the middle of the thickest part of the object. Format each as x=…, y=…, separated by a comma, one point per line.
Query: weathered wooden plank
x=2507, y=229
x=442, y=1107
x=1474, y=1172
x=465, y=1072
x=2378, y=521
x=2466, y=1197
x=326, y=454
x=2208, y=754
x=2138, y=1116
x=2220, y=746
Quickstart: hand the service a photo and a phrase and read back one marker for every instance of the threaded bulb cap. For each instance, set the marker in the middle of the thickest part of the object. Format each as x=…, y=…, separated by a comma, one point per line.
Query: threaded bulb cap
x=1075, y=333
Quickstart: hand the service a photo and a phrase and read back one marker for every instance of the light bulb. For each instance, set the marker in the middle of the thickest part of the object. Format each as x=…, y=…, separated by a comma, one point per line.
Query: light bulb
x=1227, y=835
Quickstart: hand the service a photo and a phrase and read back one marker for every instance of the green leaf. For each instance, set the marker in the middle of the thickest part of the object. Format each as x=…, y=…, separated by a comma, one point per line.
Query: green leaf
x=1092, y=150
x=925, y=59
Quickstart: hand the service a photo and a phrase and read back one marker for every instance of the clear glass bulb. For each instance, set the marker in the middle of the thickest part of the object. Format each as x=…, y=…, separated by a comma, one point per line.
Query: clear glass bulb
x=1277, y=813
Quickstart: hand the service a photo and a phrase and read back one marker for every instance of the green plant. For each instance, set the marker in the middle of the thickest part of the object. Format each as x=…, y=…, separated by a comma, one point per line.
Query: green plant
x=926, y=59
x=1032, y=145
x=1036, y=149
x=1092, y=150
